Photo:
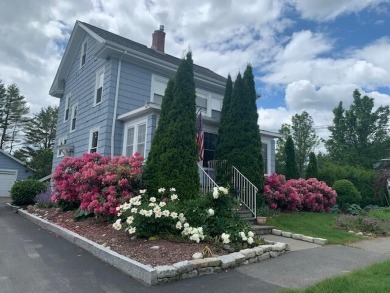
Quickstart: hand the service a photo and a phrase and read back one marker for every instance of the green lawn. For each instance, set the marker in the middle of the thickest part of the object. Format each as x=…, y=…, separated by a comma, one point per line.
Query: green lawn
x=312, y=224
x=372, y=279
x=381, y=214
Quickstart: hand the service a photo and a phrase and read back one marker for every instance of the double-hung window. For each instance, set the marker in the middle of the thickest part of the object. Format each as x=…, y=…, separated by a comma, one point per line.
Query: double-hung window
x=73, y=118
x=99, y=86
x=83, y=57
x=135, y=139
x=66, y=113
x=93, y=140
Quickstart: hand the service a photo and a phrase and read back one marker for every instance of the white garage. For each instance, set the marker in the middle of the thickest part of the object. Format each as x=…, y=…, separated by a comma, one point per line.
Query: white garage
x=11, y=169
x=7, y=179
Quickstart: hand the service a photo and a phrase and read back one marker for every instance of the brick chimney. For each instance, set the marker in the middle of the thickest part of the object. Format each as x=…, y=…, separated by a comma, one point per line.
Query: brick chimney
x=158, y=42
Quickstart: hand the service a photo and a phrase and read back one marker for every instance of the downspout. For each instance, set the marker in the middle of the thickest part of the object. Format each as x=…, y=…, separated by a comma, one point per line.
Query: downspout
x=118, y=76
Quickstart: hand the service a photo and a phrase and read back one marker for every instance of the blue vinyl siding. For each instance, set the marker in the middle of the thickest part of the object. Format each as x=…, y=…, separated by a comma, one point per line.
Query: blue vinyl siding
x=10, y=164
x=80, y=83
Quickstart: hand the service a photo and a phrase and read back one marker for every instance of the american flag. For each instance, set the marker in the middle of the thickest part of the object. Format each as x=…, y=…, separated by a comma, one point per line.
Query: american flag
x=200, y=137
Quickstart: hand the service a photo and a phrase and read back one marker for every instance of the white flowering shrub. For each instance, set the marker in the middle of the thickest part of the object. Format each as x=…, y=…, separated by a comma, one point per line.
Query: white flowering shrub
x=209, y=217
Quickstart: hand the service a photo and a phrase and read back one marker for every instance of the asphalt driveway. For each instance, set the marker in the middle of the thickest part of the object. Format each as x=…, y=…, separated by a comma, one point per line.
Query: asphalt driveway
x=35, y=260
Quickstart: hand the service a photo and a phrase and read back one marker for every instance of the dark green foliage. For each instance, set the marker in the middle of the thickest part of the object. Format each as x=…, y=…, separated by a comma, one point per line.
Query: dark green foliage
x=13, y=111
x=240, y=141
x=174, y=163
x=312, y=169
x=224, y=142
x=40, y=132
x=291, y=169
x=25, y=192
x=41, y=163
x=359, y=136
x=362, y=179
x=225, y=220
x=347, y=193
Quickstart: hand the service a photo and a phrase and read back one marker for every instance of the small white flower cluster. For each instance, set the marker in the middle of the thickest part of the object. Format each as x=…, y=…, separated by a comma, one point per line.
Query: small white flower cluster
x=248, y=238
x=195, y=234
x=211, y=212
x=155, y=208
x=217, y=191
x=225, y=238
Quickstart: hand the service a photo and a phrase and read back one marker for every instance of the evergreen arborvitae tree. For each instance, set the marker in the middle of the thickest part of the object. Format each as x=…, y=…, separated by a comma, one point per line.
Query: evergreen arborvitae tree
x=175, y=163
x=13, y=111
x=312, y=168
x=291, y=171
x=240, y=143
x=153, y=173
x=223, y=139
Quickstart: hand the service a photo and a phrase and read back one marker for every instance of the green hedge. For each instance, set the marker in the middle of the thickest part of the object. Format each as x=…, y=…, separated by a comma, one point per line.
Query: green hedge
x=362, y=179
x=25, y=192
x=347, y=193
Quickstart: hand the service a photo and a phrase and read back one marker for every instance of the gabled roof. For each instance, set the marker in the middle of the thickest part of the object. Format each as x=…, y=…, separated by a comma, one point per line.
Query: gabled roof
x=15, y=159
x=116, y=42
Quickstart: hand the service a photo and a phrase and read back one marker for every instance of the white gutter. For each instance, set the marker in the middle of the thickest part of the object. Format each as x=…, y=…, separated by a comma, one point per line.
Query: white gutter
x=118, y=76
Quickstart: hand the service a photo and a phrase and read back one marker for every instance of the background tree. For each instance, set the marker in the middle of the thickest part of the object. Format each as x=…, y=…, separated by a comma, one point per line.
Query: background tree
x=280, y=158
x=13, y=111
x=177, y=162
x=304, y=137
x=359, y=136
x=291, y=171
x=40, y=131
x=312, y=168
x=240, y=143
x=41, y=162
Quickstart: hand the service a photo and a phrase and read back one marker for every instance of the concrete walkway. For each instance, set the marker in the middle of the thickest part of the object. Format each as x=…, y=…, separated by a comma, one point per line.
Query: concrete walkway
x=294, y=244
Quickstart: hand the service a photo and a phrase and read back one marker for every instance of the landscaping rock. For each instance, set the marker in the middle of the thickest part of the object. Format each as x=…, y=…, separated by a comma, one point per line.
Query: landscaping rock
x=258, y=250
x=249, y=253
x=320, y=241
x=297, y=236
x=165, y=271
x=227, y=261
x=359, y=233
x=279, y=246
x=307, y=238
x=184, y=266
x=240, y=258
x=276, y=232
x=286, y=234
x=197, y=255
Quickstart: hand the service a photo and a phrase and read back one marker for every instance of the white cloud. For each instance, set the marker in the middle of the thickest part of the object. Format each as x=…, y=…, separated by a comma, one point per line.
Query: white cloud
x=323, y=10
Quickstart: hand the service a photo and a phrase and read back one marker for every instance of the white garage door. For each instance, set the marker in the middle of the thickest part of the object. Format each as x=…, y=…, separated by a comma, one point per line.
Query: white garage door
x=7, y=179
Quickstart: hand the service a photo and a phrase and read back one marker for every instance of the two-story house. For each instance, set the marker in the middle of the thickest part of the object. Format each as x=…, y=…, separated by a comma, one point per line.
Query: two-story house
x=110, y=90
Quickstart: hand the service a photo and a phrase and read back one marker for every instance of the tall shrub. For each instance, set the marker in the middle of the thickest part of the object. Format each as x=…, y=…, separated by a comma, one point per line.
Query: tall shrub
x=177, y=163
x=240, y=143
x=291, y=170
x=312, y=169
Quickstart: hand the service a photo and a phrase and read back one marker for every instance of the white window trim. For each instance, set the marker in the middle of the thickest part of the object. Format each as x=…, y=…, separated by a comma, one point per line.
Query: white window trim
x=268, y=143
x=71, y=118
x=67, y=102
x=97, y=79
x=155, y=79
x=82, y=53
x=91, y=137
x=134, y=124
x=61, y=141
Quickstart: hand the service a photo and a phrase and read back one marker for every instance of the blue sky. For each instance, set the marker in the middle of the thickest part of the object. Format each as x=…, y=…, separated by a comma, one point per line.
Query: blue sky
x=306, y=54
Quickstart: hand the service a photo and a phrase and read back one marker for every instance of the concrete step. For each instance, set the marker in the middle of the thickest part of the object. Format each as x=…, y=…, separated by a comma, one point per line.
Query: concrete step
x=262, y=229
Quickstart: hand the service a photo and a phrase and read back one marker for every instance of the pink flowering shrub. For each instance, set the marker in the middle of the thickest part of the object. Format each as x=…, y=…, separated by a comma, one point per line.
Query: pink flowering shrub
x=95, y=183
x=280, y=194
x=298, y=194
x=316, y=195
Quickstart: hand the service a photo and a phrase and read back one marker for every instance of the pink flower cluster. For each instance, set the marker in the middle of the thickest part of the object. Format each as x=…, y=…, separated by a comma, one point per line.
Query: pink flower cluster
x=99, y=183
x=298, y=194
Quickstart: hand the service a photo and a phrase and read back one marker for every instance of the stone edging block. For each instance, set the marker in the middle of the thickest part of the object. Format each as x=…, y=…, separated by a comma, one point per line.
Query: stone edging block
x=320, y=241
x=165, y=273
